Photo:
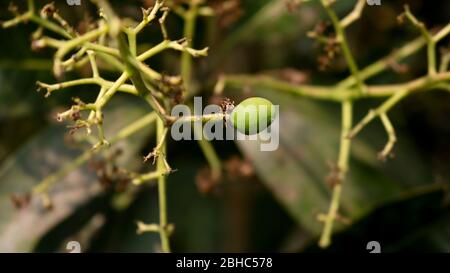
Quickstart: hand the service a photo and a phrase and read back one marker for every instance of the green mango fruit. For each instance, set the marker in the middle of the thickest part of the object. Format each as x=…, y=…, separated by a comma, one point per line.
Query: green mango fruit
x=253, y=115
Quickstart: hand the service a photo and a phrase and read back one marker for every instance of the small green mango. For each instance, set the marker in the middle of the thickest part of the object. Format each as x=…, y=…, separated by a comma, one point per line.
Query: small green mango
x=253, y=115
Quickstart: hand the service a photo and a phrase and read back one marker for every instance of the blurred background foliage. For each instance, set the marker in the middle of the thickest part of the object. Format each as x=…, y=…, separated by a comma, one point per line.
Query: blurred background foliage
x=266, y=201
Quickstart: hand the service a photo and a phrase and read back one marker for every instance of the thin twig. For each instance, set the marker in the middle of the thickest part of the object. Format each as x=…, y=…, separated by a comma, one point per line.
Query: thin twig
x=344, y=155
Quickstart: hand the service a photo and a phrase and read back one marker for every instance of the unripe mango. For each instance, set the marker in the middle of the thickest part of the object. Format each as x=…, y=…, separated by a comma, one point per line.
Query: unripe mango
x=253, y=115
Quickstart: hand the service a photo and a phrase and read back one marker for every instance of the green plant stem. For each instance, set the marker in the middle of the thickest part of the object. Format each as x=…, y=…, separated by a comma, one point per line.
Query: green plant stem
x=133, y=62
x=344, y=92
x=69, y=45
x=161, y=168
x=210, y=155
x=334, y=92
x=203, y=118
x=431, y=44
x=142, y=57
x=431, y=53
x=190, y=17
x=154, y=50
x=384, y=63
x=343, y=161
x=391, y=136
x=49, y=25
x=126, y=132
x=132, y=42
x=342, y=40
x=354, y=14
x=308, y=91
x=103, y=52
x=382, y=109
x=149, y=16
x=112, y=90
x=445, y=60
x=127, y=88
x=141, y=179
x=441, y=34
x=133, y=71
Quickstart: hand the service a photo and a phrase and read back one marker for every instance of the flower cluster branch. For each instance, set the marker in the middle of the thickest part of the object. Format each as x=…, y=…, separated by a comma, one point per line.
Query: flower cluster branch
x=354, y=88
x=112, y=42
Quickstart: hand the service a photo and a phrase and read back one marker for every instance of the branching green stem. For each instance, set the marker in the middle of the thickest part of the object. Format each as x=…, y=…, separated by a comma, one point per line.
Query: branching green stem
x=334, y=92
x=431, y=44
x=345, y=93
x=124, y=133
x=92, y=45
x=342, y=40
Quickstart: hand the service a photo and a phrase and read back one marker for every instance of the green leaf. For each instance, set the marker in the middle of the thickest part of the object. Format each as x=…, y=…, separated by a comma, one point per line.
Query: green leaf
x=43, y=155
x=309, y=142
